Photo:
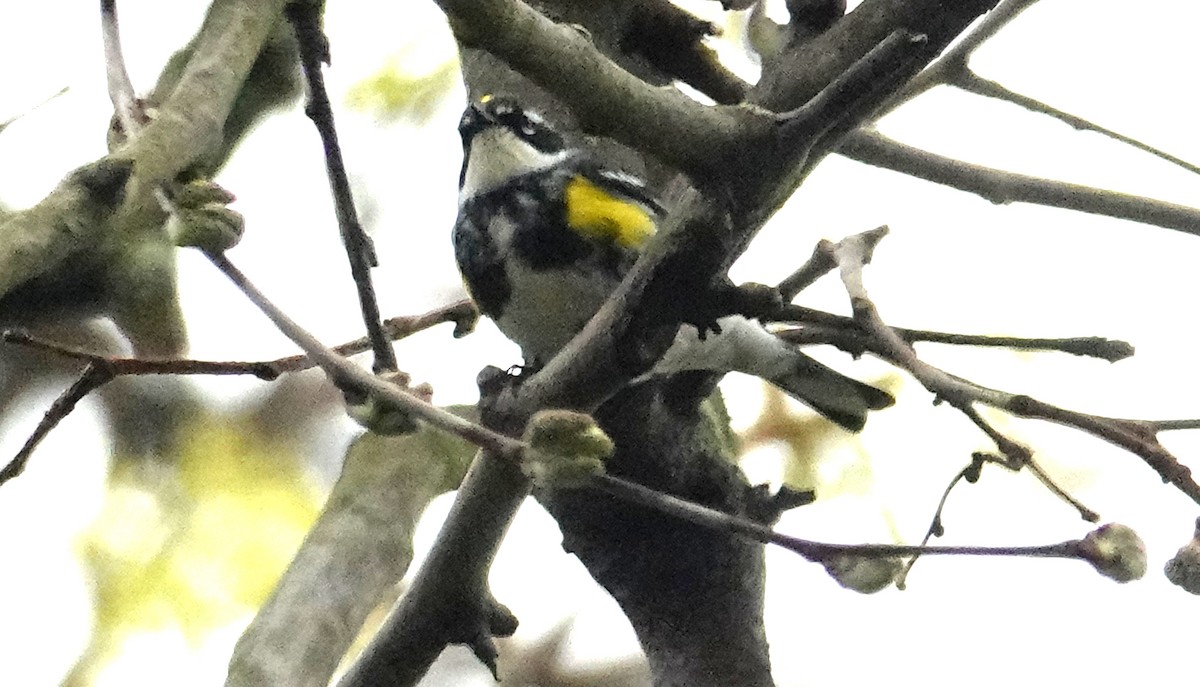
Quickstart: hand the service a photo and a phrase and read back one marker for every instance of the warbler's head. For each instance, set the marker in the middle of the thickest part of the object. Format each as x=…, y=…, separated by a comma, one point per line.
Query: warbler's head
x=502, y=141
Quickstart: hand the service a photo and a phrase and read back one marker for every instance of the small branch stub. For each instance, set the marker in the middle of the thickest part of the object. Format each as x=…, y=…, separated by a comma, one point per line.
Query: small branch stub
x=564, y=449
x=380, y=416
x=202, y=218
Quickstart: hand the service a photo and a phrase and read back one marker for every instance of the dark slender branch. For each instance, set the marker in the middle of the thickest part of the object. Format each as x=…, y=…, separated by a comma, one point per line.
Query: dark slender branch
x=94, y=376
x=462, y=313
x=852, y=254
x=314, y=52
x=825, y=327
x=1048, y=482
x=937, y=526
x=138, y=366
x=99, y=369
x=953, y=69
x=971, y=82
x=1133, y=435
x=811, y=550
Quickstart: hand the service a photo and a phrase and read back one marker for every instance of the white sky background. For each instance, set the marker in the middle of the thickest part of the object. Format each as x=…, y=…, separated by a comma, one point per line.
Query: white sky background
x=953, y=262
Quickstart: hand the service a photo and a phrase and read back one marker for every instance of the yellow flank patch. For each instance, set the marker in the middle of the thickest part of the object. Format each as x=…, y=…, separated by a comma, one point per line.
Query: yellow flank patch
x=595, y=212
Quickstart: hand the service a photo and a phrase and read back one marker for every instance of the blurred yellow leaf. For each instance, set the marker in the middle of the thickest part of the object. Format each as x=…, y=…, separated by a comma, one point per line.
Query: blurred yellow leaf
x=407, y=87
x=197, y=542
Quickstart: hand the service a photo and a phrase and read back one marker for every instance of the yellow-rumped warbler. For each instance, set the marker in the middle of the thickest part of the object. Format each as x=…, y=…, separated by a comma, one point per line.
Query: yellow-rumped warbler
x=545, y=234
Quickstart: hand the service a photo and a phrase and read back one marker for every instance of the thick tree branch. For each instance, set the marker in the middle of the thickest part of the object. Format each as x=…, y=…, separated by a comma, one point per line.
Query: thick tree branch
x=359, y=547
x=72, y=218
x=115, y=228
x=606, y=99
x=696, y=245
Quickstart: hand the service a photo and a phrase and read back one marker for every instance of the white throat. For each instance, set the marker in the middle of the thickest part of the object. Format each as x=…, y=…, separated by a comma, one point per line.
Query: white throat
x=498, y=155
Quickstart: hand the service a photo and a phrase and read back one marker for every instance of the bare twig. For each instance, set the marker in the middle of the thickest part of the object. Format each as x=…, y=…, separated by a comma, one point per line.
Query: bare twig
x=998, y=186
x=462, y=313
x=93, y=377
x=349, y=377
x=314, y=52
x=960, y=53
x=1135, y=436
x=1171, y=425
x=852, y=254
x=99, y=369
x=952, y=68
x=4, y=124
x=1048, y=482
x=973, y=83
x=936, y=525
x=824, y=327
x=138, y=366
x=811, y=550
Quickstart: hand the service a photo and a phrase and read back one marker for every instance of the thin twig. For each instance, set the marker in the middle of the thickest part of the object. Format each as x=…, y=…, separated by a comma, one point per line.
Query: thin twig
x=350, y=378
x=99, y=369
x=971, y=82
x=936, y=525
x=138, y=366
x=93, y=377
x=1048, y=482
x=1135, y=436
x=960, y=53
x=830, y=328
x=462, y=313
x=852, y=254
x=4, y=124
x=314, y=52
x=1171, y=425
x=1002, y=187
x=815, y=551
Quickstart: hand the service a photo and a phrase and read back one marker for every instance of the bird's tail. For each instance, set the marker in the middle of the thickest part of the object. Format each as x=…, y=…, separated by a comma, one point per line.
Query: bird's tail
x=843, y=400
x=745, y=346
